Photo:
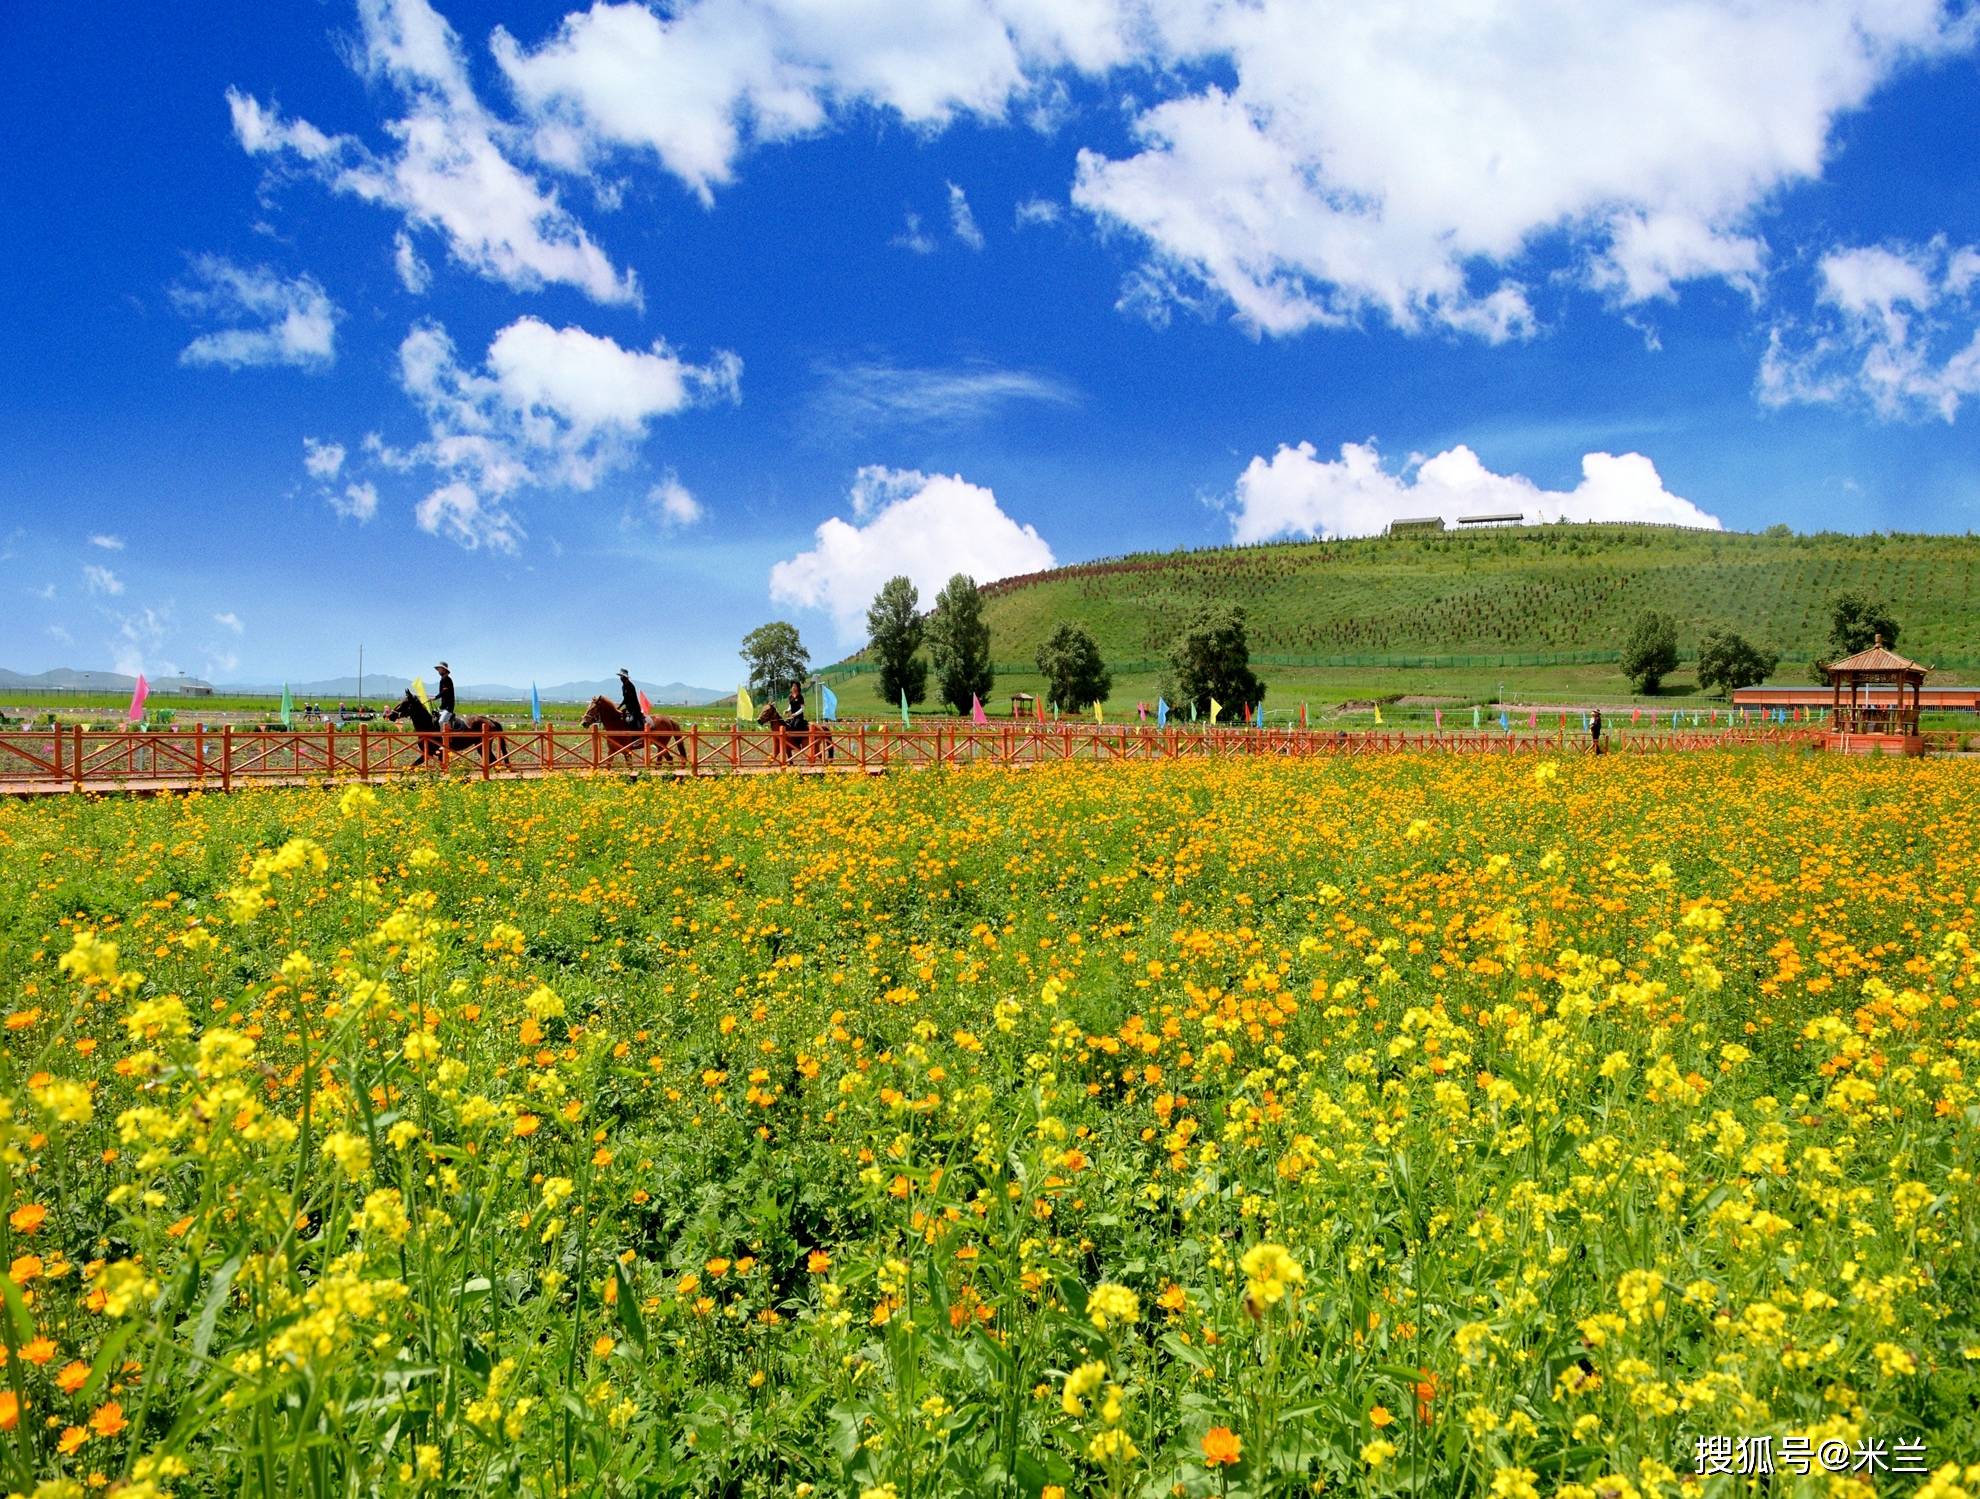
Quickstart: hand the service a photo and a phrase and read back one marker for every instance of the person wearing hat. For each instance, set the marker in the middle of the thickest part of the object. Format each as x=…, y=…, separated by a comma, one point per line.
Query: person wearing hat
x=444, y=697
x=629, y=701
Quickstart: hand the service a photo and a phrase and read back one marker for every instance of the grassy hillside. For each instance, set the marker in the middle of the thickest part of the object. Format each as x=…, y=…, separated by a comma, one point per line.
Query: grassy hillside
x=1332, y=620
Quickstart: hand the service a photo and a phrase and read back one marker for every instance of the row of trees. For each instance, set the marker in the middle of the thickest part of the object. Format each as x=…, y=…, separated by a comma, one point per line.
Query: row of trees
x=1728, y=661
x=1210, y=659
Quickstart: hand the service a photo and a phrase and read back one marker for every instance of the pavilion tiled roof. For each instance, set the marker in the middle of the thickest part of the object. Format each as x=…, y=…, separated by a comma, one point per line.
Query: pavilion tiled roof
x=1877, y=659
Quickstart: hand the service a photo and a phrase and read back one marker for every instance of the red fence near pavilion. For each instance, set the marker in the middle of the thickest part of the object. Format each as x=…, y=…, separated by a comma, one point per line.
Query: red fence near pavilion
x=185, y=759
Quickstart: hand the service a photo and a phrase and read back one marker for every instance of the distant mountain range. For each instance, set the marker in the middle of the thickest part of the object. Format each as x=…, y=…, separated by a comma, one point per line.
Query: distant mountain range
x=339, y=689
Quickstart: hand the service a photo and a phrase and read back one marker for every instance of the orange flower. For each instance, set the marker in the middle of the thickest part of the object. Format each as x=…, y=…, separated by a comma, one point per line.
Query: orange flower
x=72, y=1437
x=1221, y=1446
x=527, y=1125
x=72, y=1377
x=1380, y=1417
x=27, y=1218
x=10, y=1411
x=108, y=1420
x=818, y=1262
x=39, y=1351
x=25, y=1269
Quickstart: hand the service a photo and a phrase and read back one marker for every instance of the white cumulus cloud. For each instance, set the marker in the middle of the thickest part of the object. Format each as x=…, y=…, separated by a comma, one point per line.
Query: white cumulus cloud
x=962, y=223
x=101, y=580
x=674, y=503
x=322, y=459
x=1298, y=493
x=448, y=167
x=106, y=542
x=358, y=502
x=697, y=87
x=549, y=408
x=928, y=527
x=1895, y=326
x=270, y=319
x=229, y=621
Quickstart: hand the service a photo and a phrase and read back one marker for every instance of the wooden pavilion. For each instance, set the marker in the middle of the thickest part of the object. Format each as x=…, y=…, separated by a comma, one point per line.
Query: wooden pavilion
x=1023, y=705
x=1864, y=720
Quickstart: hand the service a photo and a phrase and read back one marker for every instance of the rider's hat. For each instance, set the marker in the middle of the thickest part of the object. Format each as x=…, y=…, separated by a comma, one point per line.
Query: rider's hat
x=441, y=667
x=623, y=672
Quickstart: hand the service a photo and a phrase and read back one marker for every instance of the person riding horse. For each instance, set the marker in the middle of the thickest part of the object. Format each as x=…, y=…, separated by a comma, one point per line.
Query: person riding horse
x=444, y=697
x=794, y=720
x=629, y=707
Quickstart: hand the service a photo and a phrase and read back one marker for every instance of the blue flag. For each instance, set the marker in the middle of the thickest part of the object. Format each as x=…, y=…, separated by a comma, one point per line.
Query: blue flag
x=829, y=703
x=1474, y=715
x=1161, y=713
x=1504, y=726
x=535, y=705
x=906, y=722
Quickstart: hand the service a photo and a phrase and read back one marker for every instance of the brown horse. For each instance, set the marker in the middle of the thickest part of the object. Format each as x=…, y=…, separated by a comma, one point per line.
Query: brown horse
x=464, y=734
x=816, y=737
x=662, y=733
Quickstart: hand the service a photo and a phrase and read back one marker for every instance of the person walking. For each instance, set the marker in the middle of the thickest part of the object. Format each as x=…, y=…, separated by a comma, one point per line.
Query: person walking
x=629, y=708
x=444, y=696
x=1595, y=730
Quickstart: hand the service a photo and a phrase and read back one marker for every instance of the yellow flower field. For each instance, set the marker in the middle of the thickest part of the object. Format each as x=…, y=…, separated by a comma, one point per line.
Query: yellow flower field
x=1406, y=1125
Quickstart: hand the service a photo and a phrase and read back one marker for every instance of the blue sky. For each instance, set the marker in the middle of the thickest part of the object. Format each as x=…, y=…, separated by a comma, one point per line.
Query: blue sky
x=548, y=340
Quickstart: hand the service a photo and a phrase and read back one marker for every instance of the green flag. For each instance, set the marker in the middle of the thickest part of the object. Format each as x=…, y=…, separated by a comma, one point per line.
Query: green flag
x=287, y=704
x=906, y=722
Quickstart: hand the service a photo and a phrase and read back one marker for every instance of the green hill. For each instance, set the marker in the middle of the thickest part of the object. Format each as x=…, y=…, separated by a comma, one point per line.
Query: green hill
x=1538, y=609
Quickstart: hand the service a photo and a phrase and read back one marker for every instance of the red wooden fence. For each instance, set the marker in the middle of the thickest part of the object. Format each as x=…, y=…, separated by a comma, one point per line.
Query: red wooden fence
x=67, y=759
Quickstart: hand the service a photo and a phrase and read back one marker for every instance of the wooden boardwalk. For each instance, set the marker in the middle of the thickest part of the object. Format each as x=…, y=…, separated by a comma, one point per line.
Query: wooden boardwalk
x=69, y=761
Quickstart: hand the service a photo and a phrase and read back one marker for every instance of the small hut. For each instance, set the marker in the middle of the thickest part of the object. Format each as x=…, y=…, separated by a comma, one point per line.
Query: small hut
x=1865, y=720
x=1023, y=705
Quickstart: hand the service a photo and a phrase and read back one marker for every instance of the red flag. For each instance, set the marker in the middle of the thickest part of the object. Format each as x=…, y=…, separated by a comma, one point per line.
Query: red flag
x=1038, y=709
x=139, y=693
x=1635, y=714
x=644, y=706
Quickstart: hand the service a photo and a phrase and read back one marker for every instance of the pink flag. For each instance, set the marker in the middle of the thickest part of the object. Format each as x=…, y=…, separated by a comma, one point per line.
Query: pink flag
x=644, y=706
x=1440, y=718
x=976, y=714
x=1533, y=718
x=138, y=694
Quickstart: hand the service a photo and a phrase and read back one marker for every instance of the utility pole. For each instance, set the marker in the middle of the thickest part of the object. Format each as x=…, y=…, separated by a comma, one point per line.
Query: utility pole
x=360, y=676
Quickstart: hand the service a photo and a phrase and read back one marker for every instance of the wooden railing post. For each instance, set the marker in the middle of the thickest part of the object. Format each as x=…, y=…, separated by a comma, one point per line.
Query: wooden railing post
x=227, y=757
x=330, y=749
x=594, y=746
x=364, y=752
x=76, y=758
x=484, y=750
x=694, y=749
x=199, y=751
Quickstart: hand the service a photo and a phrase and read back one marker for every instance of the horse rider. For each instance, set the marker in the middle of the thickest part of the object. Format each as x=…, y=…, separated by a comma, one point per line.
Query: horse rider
x=794, y=721
x=629, y=701
x=444, y=697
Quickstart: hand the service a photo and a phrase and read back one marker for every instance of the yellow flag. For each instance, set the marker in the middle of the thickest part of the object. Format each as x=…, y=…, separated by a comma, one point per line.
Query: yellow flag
x=1215, y=708
x=1098, y=716
x=1378, y=713
x=745, y=709
x=419, y=690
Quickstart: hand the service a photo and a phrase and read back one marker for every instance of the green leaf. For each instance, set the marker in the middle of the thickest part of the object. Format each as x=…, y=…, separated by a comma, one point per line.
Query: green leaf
x=106, y=1360
x=1175, y=1346
x=17, y=1311
x=209, y=1315
x=627, y=1306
